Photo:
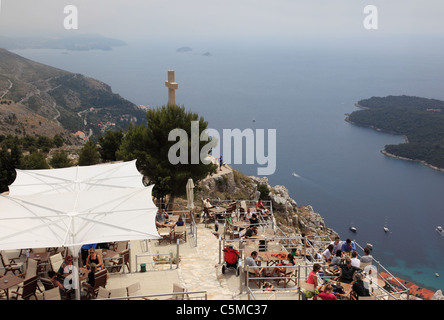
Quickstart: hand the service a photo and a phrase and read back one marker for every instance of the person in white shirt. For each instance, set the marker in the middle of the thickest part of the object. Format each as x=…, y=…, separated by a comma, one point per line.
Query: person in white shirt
x=337, y=244
x=327, y=254
x=207, y=203
x=355, y=261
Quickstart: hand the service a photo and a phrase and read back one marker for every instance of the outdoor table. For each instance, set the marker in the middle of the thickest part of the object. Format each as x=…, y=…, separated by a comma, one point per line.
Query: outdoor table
x=42, y=257
x=173, y=218
x=8, y=282
x=108, y=254
x=270, y=257
x=218, y=210
x=240, y=225
x=253, y=209
x=375, y=282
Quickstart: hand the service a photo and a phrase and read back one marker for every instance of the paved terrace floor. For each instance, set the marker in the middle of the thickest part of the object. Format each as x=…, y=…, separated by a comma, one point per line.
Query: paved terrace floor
x=199, y=268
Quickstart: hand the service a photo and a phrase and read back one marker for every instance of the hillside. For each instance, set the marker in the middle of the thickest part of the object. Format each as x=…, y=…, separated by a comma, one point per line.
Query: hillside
x=419, y=120
x=73, y=101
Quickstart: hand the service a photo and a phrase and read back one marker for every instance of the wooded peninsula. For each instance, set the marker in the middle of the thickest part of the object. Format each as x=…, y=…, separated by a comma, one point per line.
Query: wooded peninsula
x=419, y=120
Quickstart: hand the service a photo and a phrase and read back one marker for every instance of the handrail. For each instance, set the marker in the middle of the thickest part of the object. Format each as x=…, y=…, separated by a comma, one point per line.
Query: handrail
x=185, y=293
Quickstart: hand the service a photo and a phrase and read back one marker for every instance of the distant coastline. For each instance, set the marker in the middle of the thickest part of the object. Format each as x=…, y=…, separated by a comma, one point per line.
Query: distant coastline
x=384, y=151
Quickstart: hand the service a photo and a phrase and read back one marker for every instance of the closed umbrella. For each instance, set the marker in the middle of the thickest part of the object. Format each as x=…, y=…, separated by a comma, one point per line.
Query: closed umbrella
x=190, y=194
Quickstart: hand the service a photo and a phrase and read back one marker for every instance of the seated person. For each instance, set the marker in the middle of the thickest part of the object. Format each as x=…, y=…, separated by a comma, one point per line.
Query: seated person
x=66, y=267
x=207, y=204
x=355, y=261
x=327, y=254
x=250, y=232
x=367, y=256
x=337, y=244
x=261, y=208
x=251, y=262
x=254, y=219
x=85, y=250
x=347, y=272
x=280, y=270
x=161, y=219
x=91, y=274
x=95, y=258
x=55, y=281
x=326, y=294
x=180, y=222
x=348, y=246
x=359, y=288
x=337, y=259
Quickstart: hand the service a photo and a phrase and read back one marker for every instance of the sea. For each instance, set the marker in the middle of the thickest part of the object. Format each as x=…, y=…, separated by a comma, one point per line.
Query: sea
x=303, y=87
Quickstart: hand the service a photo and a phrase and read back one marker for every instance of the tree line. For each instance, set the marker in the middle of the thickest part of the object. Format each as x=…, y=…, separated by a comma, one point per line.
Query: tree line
x=148, y=143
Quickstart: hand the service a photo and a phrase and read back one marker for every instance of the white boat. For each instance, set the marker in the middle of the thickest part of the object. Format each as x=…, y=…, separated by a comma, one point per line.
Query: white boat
x=437, y=274
x=386, y=229
x=439, y=228
x=353, y=229
x=370, y=246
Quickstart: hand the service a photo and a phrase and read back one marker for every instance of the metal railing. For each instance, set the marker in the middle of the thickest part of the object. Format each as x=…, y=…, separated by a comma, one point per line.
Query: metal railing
x=186, y=295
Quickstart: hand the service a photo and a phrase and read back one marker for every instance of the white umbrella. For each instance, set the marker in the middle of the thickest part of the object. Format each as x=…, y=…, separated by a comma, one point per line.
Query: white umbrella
x=76, y=218
x=72, y=219
x=101, y=176
x=190, y=193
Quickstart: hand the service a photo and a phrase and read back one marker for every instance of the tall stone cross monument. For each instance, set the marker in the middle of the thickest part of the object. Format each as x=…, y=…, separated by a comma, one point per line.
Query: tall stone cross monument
x=172, y=87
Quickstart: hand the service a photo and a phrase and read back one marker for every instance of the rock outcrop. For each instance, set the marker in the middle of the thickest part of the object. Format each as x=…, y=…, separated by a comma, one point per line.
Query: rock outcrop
x=292, y=219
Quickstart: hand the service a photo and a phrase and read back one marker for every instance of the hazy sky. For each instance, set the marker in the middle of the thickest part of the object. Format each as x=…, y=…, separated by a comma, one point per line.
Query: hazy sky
x=168, y=18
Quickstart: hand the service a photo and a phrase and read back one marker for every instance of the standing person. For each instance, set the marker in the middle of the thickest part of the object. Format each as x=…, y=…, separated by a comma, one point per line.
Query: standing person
x=221, y=162
x=312, y=276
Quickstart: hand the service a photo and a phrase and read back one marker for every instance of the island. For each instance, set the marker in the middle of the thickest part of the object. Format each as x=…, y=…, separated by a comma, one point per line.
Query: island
x=419, y=120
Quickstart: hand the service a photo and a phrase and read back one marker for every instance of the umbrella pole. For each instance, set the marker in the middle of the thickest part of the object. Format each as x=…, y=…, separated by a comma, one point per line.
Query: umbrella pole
x=77, y=264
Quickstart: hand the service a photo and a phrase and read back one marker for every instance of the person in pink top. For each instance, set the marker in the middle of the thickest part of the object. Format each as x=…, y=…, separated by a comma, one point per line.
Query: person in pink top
x=327, y=294
x=312, y=277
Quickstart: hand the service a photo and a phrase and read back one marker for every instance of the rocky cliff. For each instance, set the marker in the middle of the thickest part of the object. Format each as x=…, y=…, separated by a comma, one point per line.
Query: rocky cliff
x=230, y=184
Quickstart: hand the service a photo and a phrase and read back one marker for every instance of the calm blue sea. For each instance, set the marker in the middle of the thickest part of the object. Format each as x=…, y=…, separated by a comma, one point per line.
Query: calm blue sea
x=303, y=88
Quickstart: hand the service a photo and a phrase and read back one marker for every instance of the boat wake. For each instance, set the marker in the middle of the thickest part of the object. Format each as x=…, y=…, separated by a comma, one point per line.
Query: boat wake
x=294, y=174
